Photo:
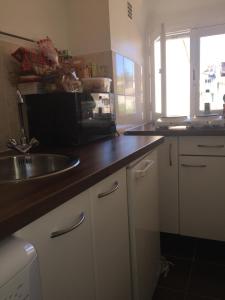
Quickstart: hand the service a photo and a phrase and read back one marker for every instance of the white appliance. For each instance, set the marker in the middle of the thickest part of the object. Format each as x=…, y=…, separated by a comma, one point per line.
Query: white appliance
x=165, y=122
x=142, y=179
x=210, y=121
x=19, y=271
x=207, y=121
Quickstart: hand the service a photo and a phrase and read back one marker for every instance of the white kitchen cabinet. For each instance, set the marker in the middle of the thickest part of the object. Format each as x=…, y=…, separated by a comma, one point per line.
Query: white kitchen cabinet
x=202, y=201
x=168, y=185
x=66, y=261
x=202, y=145
x=111, y=238
x=142, y=178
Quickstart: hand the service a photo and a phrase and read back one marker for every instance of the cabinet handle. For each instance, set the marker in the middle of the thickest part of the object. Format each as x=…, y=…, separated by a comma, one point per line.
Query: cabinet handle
x=211, y=146
x=114, y=188
x=69, y=229
x=142, y=173
x=170, y=155
x=193, y=166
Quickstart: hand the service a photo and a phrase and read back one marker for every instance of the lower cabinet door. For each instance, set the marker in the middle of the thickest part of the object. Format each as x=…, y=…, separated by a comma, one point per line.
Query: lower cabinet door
x=66, y=261
x=111, y=238
x=144, y=225
x=202, y=199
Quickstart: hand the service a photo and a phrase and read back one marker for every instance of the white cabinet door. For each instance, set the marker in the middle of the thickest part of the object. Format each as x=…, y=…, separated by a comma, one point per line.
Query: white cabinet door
x=144, y=225
x=66, y=261
x=202, y=200
x=111, y=238
x=168, y=185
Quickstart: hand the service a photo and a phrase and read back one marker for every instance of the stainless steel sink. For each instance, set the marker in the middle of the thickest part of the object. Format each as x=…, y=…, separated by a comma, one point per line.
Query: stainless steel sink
x=33, y=166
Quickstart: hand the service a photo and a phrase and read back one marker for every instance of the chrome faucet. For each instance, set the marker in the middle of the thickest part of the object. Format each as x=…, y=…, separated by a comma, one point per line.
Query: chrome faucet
x=24, y=146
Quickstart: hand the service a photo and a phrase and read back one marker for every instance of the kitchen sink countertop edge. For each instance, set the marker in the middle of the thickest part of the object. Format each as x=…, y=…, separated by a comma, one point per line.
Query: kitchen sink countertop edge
x=23, y=202
x=150, y=129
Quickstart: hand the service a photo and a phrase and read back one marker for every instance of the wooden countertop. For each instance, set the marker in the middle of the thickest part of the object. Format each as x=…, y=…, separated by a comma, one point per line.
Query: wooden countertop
x=149, y=130
x=22, y=203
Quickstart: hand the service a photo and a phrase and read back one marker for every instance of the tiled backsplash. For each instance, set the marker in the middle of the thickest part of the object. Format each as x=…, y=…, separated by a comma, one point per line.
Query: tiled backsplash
x=128, y=80
x=128, y=88
x=9, y=122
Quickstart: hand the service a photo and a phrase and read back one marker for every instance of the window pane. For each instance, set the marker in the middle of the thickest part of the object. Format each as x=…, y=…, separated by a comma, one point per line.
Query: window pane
x=212, y=71
x=157, y=56
x=178, y=76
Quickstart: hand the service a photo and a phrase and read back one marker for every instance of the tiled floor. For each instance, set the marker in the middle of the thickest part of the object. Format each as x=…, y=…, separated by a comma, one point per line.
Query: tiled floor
x=198, y=271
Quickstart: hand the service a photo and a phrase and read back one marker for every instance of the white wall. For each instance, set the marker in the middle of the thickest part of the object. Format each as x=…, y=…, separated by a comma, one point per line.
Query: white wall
x=128, y=36
x=89, y=26
x=36, y=19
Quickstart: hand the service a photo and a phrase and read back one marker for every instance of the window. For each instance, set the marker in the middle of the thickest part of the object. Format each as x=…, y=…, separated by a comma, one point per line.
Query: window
x=194, y=72
x=212, y=71
x=178, y=76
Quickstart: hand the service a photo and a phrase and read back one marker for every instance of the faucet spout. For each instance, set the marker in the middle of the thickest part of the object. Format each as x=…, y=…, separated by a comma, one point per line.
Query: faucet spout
x=24, y=146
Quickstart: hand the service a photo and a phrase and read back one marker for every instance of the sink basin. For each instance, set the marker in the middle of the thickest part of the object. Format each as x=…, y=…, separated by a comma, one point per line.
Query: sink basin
x=33, y=166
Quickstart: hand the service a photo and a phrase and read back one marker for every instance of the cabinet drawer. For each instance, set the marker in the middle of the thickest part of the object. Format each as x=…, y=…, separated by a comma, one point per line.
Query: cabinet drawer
x=202, y=202
x=202, y=145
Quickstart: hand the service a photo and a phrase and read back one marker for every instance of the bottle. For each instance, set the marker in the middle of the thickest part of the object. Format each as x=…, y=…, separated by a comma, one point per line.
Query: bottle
x=207, y=108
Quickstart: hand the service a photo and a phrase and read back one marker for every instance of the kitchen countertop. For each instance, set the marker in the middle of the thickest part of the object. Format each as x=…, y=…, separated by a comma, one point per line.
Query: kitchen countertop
x=22, y=203
x=150, y=129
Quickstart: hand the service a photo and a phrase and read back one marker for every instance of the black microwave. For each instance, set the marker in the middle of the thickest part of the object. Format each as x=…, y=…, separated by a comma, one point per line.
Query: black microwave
x=68, y=119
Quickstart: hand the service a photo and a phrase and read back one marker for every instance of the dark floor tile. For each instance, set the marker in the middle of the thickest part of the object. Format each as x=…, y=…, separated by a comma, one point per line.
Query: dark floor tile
x=167, y=294
x=210, y=251
x=207, y=280
x=199, y=298
x=178, y=275
x=177, y=246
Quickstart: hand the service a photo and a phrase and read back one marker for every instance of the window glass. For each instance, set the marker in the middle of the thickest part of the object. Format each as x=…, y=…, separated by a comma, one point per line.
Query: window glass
x=212, y=71
x=178, y=76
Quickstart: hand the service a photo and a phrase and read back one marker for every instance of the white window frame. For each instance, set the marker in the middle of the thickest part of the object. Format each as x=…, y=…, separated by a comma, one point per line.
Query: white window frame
x=195, y=34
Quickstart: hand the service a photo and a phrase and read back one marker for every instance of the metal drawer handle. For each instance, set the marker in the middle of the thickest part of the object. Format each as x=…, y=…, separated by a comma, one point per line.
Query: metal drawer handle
x=142, y=173
x=211, y=146
x=114, y=188
x=193, y=166
x=69, y=229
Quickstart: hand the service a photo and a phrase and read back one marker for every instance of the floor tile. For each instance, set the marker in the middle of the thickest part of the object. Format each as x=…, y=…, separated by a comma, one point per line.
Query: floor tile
x=210, y=251
x=198, y=298
x=178, y=275
x=177, y=246
x=207, y=280
x=167, y=294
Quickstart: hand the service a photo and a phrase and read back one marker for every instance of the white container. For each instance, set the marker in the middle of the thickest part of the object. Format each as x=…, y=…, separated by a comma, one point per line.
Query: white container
x=19, y=272
x=97, y=84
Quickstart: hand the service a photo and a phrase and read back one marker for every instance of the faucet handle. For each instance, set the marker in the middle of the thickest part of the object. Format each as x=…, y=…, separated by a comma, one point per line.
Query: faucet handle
x=34, y=142
x=11, y=143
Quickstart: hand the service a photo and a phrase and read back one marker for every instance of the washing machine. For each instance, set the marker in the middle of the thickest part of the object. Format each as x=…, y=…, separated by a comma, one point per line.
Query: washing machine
x=19, y=270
